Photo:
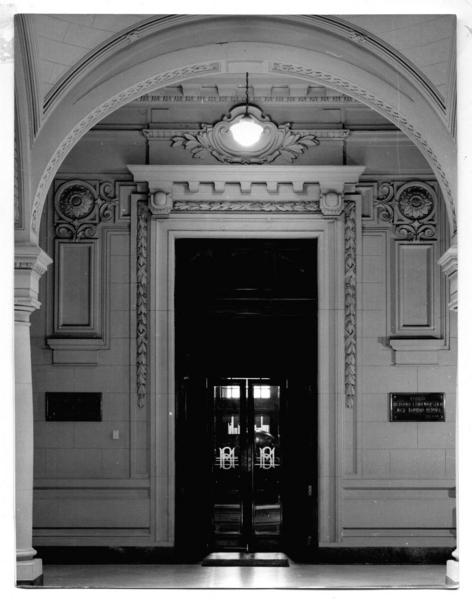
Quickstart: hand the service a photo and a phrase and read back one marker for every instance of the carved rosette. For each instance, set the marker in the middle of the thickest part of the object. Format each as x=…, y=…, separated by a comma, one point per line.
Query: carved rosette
x=350, y=303
x=277, y=141
x=410, y=208
x=141, y=303
x=81, y=206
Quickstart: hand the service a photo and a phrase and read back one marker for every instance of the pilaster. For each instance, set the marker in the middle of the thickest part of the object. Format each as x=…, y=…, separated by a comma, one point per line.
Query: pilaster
x=448, y=263
x=30, y=263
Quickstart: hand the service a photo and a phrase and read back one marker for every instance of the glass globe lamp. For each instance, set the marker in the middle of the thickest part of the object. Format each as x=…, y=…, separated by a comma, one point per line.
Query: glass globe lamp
x=246, y=132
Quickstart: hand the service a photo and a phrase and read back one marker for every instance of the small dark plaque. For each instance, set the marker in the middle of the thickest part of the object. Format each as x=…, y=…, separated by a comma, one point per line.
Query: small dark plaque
x=417, y=407
x=73, y=406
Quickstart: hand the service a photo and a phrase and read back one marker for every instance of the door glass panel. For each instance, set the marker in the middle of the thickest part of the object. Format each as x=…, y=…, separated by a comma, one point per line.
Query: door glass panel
x=227, y=511
x=267, y=513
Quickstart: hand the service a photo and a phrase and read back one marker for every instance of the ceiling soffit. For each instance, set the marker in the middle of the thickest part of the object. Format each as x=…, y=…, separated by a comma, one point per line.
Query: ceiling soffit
x=146, y=28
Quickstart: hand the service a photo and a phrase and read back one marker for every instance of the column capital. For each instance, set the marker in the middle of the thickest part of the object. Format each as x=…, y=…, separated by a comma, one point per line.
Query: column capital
x=449, y=265
x=30, y=264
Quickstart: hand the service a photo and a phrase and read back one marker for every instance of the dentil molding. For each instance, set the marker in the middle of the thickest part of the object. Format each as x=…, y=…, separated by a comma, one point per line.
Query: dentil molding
x=247, y=187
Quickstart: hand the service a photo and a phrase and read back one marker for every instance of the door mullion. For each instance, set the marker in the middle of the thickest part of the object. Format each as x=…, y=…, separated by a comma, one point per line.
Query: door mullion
x=246, y=474
x=250, y=446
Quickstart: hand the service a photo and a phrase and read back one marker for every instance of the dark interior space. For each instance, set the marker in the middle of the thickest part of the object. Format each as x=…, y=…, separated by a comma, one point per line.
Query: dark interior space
x=246, y=315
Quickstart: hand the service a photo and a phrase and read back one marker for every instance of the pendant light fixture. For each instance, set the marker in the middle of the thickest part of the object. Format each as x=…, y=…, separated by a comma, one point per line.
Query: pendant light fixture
x=245, y=131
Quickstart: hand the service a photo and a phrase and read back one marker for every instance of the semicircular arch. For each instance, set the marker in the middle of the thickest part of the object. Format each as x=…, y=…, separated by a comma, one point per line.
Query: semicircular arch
x=304, y=49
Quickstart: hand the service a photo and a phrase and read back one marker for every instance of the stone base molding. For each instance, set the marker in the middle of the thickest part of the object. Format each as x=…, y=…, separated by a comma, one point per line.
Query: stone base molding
x=30, y=263
x=448, y=263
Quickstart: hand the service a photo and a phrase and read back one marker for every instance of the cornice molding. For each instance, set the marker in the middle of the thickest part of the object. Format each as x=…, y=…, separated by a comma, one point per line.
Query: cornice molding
x=327, y=178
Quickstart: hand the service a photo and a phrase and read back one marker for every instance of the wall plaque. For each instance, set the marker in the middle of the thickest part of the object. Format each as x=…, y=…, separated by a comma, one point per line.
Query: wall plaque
x=417, y=407
x=73, y=406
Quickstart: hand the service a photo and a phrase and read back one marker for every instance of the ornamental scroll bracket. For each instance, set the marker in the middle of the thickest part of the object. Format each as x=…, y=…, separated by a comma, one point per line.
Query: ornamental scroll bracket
x=81, y=206
x=410, y=207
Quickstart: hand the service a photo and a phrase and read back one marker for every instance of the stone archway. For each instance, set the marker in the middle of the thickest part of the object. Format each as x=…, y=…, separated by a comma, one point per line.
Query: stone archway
x=171, y=50
x=308, y=48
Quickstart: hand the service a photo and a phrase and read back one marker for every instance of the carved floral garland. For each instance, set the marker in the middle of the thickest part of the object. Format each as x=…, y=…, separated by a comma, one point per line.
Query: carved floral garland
x=350, y=302
x=141, y=303
x=246, y=206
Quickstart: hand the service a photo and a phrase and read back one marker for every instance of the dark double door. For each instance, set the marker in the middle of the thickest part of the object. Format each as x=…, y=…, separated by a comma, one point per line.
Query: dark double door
x=245, y=407
x=246, y=499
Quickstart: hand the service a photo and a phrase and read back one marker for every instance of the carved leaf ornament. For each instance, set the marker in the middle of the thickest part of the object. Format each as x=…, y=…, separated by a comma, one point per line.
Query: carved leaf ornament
x=81, y=206
x=411, y=208
x=217, y=141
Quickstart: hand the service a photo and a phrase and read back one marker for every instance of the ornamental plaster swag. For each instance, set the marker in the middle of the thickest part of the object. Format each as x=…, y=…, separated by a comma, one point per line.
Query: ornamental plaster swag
x=276, y=141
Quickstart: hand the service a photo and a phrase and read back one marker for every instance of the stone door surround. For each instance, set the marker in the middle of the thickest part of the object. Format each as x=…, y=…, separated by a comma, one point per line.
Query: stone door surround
x=259, y=202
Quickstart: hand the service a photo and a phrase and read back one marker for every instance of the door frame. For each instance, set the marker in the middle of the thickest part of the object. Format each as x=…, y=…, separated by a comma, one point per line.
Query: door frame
x=329, y=233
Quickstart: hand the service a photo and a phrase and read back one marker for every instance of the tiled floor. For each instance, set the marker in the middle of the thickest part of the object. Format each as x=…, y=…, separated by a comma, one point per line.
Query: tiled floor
x=196, y=576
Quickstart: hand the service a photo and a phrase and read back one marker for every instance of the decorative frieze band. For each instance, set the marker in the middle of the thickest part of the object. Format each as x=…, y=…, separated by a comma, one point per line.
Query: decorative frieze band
x=248, y=206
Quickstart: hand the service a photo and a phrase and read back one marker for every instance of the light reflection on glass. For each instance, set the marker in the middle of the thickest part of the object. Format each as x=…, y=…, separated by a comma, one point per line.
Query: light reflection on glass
x=262, y=392
x=230, y=391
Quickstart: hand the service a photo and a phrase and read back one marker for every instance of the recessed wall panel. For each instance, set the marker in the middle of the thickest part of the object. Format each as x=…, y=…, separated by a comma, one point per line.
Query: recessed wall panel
x=415, y=302
x=76, y=291
x=75, y=302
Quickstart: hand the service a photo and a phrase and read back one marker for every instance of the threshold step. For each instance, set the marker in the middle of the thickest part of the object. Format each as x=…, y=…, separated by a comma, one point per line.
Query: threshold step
x=246, y=559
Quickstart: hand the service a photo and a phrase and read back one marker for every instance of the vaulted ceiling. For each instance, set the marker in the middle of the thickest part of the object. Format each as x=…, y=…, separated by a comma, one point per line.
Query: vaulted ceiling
x=61, y=41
